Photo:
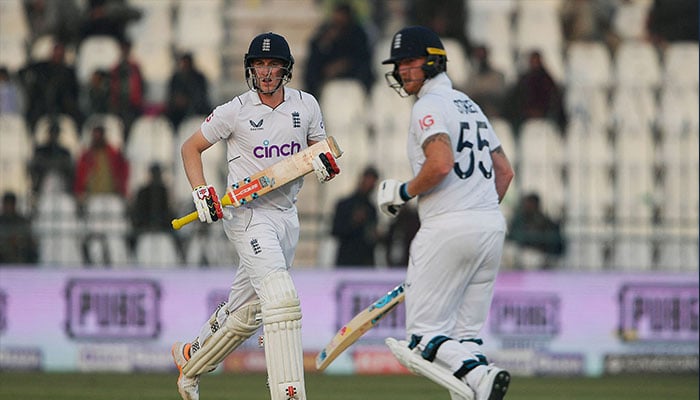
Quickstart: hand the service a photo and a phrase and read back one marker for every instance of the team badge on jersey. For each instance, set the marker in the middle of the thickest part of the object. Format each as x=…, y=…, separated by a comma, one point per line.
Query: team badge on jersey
x=296, y=119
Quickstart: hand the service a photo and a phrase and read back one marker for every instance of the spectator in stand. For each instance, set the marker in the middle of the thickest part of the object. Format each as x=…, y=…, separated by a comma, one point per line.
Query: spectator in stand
x=10, y=94
x=446, y=17
x=51, y=160
x=151, y=210
x=188, y=92
x=340, y=48
x=17, y=243
x=95, y=98
x=537, y=235
x=126, y=87
x=535, y=95
x=355, y=224
x=50, y=87
x=401, y=232
x=673, y=21
x=101, y=168
x=588, y=20
x=108, y=17
x=60, y=19
x=486, y=85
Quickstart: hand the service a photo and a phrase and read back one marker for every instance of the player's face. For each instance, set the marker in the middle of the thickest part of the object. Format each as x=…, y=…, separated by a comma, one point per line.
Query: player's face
x=268, y=73
x=411, y=74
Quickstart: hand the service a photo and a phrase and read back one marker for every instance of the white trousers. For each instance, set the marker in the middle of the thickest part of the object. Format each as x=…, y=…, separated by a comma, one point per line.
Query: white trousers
x=265, y=241
x=454, y=260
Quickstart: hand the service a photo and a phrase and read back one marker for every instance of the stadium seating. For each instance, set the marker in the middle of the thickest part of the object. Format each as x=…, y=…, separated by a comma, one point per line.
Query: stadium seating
x=589, y=188
x=344, y=106
x=95, y=52
x=637, y=64
x=13, y=23
x=59, y=230
x=106, y=227
x=69, y=136
x=680, y=66
x=457, y=62
x=539, y=169
x=214, y=161
x=151, y=140
x=389, y=115
x=12, y=53
x=588, y=64
x=114, y=129
x=623, y=175
x=15, y=152
x=157, y=250
x=630, y=19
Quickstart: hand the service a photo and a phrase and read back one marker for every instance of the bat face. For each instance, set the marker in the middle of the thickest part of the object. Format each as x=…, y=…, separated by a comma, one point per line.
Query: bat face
x=358, y=325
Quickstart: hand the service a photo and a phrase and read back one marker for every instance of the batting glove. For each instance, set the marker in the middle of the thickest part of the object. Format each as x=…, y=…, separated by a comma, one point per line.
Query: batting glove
x=207, y=203
x=391, y=195
x=325, y=167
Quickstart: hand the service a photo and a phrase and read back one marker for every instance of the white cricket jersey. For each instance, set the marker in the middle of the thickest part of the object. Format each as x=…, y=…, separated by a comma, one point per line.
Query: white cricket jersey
x=470, y=186
x=258, y=136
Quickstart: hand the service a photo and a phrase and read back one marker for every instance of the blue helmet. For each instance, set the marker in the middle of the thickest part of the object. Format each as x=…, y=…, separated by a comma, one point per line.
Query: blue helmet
x=419, y=41
x=268, y=45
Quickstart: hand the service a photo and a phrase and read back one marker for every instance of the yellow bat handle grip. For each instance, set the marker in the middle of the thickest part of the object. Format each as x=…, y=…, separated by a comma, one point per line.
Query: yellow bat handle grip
x=178, y=223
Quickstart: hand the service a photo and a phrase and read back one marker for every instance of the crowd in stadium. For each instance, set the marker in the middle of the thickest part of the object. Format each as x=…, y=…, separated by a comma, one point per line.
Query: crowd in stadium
x=595, y=100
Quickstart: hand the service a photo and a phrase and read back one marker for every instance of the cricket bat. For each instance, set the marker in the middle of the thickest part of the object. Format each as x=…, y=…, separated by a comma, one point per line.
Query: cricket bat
x=358, y=325
x=271, y=178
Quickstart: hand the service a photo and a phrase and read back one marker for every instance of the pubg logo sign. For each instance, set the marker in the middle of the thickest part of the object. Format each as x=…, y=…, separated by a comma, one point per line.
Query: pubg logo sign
x=653, y=312
x=114, y=309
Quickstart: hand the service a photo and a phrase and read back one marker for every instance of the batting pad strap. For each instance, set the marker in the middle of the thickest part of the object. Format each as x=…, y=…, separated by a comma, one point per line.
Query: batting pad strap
x=473, y=340
x=236, y=329
x=433, y=346
x=415, y=340
x=470, y=364
x=415, y=362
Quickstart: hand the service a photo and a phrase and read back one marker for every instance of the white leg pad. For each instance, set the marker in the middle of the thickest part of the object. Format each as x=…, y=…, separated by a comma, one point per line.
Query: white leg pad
x=415, y=363
x=284, y=356
x=238, y=326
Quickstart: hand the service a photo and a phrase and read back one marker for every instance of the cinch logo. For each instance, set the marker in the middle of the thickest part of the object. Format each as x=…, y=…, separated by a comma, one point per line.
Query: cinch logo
x=268, y=150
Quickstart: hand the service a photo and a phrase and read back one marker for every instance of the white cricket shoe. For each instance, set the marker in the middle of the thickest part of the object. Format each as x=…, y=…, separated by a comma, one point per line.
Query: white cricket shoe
x=188, y=387
x=493, y=384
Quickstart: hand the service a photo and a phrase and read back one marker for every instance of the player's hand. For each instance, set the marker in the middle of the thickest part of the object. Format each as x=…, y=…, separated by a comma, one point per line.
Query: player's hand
x=391, y=195
x=207, y=203
x=325, y=167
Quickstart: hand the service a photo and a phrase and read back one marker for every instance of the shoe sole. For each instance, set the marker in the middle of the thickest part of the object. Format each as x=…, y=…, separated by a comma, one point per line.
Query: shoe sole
x=500, y=386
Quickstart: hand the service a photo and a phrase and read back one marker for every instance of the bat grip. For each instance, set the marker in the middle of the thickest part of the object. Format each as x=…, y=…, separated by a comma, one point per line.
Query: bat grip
x=178, y=223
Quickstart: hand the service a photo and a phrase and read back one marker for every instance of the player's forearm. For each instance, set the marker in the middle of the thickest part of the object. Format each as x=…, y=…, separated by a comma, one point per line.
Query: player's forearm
x=504, y=172
x=438, y=164
x=429, y=176
x=191, y=152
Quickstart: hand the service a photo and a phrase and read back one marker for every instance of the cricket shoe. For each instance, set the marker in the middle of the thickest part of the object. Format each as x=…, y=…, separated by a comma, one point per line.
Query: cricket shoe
x=493, y=385
x=188, y=387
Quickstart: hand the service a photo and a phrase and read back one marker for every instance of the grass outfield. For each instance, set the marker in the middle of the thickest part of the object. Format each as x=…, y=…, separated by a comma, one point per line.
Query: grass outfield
x=109, y=386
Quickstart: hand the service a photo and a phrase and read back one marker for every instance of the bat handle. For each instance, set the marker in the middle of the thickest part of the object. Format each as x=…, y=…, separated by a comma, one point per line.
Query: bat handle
x=178, y=223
